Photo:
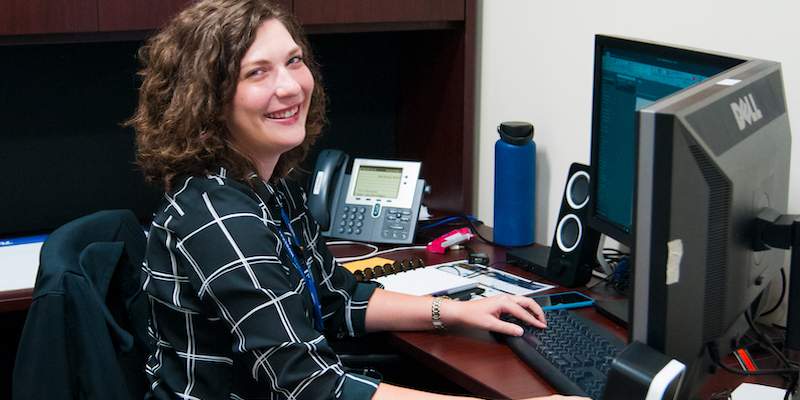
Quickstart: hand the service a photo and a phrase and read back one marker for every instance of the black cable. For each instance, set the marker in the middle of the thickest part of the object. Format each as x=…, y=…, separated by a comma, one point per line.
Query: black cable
x=473, y=228
x=780, y=299
x=714, y=355
x=764, y=341
x=599, y=281
x=723, y=395
x=794, y=378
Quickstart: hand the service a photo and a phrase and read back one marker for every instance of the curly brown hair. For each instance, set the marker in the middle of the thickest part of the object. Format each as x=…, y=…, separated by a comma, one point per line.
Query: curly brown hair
x=190, y=71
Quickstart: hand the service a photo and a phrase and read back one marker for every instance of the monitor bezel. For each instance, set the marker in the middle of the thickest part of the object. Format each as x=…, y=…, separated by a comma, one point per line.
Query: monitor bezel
x=685, y=54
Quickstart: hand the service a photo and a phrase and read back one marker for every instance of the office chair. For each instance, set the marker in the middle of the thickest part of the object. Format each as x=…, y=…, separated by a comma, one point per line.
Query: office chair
x=85, y=334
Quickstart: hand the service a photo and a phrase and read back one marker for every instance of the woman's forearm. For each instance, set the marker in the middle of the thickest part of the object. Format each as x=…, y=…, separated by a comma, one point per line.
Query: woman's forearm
x=386, y=391
x=392, y=311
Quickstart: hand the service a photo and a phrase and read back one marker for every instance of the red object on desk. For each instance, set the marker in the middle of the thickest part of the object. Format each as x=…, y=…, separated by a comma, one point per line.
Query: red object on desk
x=454, y=237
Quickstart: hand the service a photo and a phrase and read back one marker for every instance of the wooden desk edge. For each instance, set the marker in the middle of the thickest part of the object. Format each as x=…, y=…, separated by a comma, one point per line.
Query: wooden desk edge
x=16, y=300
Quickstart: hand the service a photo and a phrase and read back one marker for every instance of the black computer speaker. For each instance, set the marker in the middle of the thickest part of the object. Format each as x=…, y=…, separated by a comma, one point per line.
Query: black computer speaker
x=573, y=252
x=571, y=257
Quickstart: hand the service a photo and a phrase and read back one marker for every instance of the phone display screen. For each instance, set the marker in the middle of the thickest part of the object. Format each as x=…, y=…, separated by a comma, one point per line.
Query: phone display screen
x=373, y=181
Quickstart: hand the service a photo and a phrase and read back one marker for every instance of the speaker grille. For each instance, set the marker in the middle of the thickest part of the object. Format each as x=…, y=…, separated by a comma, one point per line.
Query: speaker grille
x=716, y=244
x=568, y=233
x=577, y=190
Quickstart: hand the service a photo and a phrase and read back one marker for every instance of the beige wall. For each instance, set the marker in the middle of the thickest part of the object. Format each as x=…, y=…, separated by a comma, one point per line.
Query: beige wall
x=535, y=64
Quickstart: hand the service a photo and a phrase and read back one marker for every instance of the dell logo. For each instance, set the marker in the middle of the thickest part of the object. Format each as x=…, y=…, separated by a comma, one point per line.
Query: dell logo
x=746, y=111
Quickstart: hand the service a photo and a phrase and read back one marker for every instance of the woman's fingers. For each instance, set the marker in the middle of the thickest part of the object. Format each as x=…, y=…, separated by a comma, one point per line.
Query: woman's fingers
x=527, y=310
x=535, y=309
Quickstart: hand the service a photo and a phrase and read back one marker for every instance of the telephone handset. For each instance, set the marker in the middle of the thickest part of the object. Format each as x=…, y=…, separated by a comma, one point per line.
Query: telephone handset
x=379, y=202
x=330, y=167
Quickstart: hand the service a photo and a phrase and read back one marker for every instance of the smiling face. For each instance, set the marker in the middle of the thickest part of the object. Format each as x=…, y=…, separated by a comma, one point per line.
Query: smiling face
x=267, y=116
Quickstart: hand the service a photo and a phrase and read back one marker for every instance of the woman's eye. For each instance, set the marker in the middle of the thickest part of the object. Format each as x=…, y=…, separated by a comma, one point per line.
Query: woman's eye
x=296, y=60
x=255, y=72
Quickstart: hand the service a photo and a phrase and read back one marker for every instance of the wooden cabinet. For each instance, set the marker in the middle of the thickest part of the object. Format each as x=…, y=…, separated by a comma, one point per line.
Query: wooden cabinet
x=35, y=17
x=312, y=12
x=28, y=17
x=419, y=89
x=134, y=15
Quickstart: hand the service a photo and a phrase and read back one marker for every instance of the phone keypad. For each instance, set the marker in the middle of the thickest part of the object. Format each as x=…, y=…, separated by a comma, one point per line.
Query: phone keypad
x=352, y=220
x=396, y=223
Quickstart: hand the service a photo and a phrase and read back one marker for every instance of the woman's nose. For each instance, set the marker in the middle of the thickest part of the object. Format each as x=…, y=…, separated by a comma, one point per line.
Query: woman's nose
x=286, y=84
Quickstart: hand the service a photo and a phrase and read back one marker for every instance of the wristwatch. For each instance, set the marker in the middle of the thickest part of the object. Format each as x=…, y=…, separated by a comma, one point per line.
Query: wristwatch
x=436, y=317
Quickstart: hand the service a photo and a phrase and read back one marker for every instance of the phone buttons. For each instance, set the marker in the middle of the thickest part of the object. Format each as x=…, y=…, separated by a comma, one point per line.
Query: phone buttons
x=376, y=210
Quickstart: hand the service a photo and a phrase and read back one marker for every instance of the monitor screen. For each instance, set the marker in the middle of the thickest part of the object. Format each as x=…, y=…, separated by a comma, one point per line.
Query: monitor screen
x=630, y=75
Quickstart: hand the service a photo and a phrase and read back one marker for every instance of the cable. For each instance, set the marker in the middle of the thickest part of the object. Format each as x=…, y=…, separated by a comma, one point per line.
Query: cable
x=794, y=378
x=432, y=223
x=375, y=253
x=350, y=242
x=765, y=341
x=713, y=352
x=471, y=220
x=780, y=299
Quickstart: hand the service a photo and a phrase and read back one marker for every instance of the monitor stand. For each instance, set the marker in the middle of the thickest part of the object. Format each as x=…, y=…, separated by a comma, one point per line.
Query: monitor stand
x=614, y=309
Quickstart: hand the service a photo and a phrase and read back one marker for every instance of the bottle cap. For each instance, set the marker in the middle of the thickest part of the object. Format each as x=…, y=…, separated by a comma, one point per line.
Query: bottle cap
x=515, y=132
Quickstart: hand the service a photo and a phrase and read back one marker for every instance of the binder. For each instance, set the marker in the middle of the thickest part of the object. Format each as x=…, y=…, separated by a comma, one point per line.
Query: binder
x=413, y=277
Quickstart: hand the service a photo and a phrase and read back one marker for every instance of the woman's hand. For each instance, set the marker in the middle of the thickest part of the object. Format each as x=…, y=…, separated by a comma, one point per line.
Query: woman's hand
x=485, y=313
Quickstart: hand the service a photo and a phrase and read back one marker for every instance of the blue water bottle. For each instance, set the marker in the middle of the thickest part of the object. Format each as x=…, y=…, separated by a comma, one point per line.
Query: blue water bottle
x=515, y=185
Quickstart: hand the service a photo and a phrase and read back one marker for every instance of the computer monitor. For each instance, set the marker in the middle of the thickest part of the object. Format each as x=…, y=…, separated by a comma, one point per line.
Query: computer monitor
x=708, y=159
x=630, y=75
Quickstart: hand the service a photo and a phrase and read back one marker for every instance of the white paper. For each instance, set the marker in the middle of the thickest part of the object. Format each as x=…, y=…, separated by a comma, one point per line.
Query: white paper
x=426, y=281
x=494, y=286
x=752, y=391
x=19, y=264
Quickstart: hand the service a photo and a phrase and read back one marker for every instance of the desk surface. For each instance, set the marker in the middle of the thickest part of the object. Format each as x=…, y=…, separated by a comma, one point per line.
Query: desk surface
x=470, y=358
x=477, y=362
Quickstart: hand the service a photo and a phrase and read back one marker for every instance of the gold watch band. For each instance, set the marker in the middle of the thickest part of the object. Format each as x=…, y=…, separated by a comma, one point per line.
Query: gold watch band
x=436, y=317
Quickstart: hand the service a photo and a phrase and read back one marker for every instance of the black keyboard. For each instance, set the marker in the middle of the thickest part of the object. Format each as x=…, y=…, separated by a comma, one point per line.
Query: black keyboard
x=572, y=353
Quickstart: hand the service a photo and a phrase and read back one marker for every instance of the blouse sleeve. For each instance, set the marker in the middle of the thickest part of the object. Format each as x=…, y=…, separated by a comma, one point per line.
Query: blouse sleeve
x=233, y=264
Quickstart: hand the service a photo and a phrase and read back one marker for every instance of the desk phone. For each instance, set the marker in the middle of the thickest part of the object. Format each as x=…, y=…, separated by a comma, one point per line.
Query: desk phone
x=378, y=202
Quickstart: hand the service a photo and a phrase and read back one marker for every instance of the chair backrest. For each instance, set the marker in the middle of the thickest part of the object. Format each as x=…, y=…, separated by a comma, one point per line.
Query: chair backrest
x=86, y=329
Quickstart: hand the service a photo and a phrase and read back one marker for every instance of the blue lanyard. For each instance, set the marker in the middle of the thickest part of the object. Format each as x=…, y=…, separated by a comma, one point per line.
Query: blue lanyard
x=308, y=277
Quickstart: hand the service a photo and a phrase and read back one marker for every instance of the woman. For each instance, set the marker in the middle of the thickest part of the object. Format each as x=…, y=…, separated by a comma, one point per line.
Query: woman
x=241, y=284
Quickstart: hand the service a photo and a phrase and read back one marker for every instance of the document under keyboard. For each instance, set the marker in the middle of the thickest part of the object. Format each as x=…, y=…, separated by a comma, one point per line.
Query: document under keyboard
x=572, y=353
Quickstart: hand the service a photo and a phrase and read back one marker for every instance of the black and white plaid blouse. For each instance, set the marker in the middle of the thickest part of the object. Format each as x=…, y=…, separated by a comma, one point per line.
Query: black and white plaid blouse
x=231, y=317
